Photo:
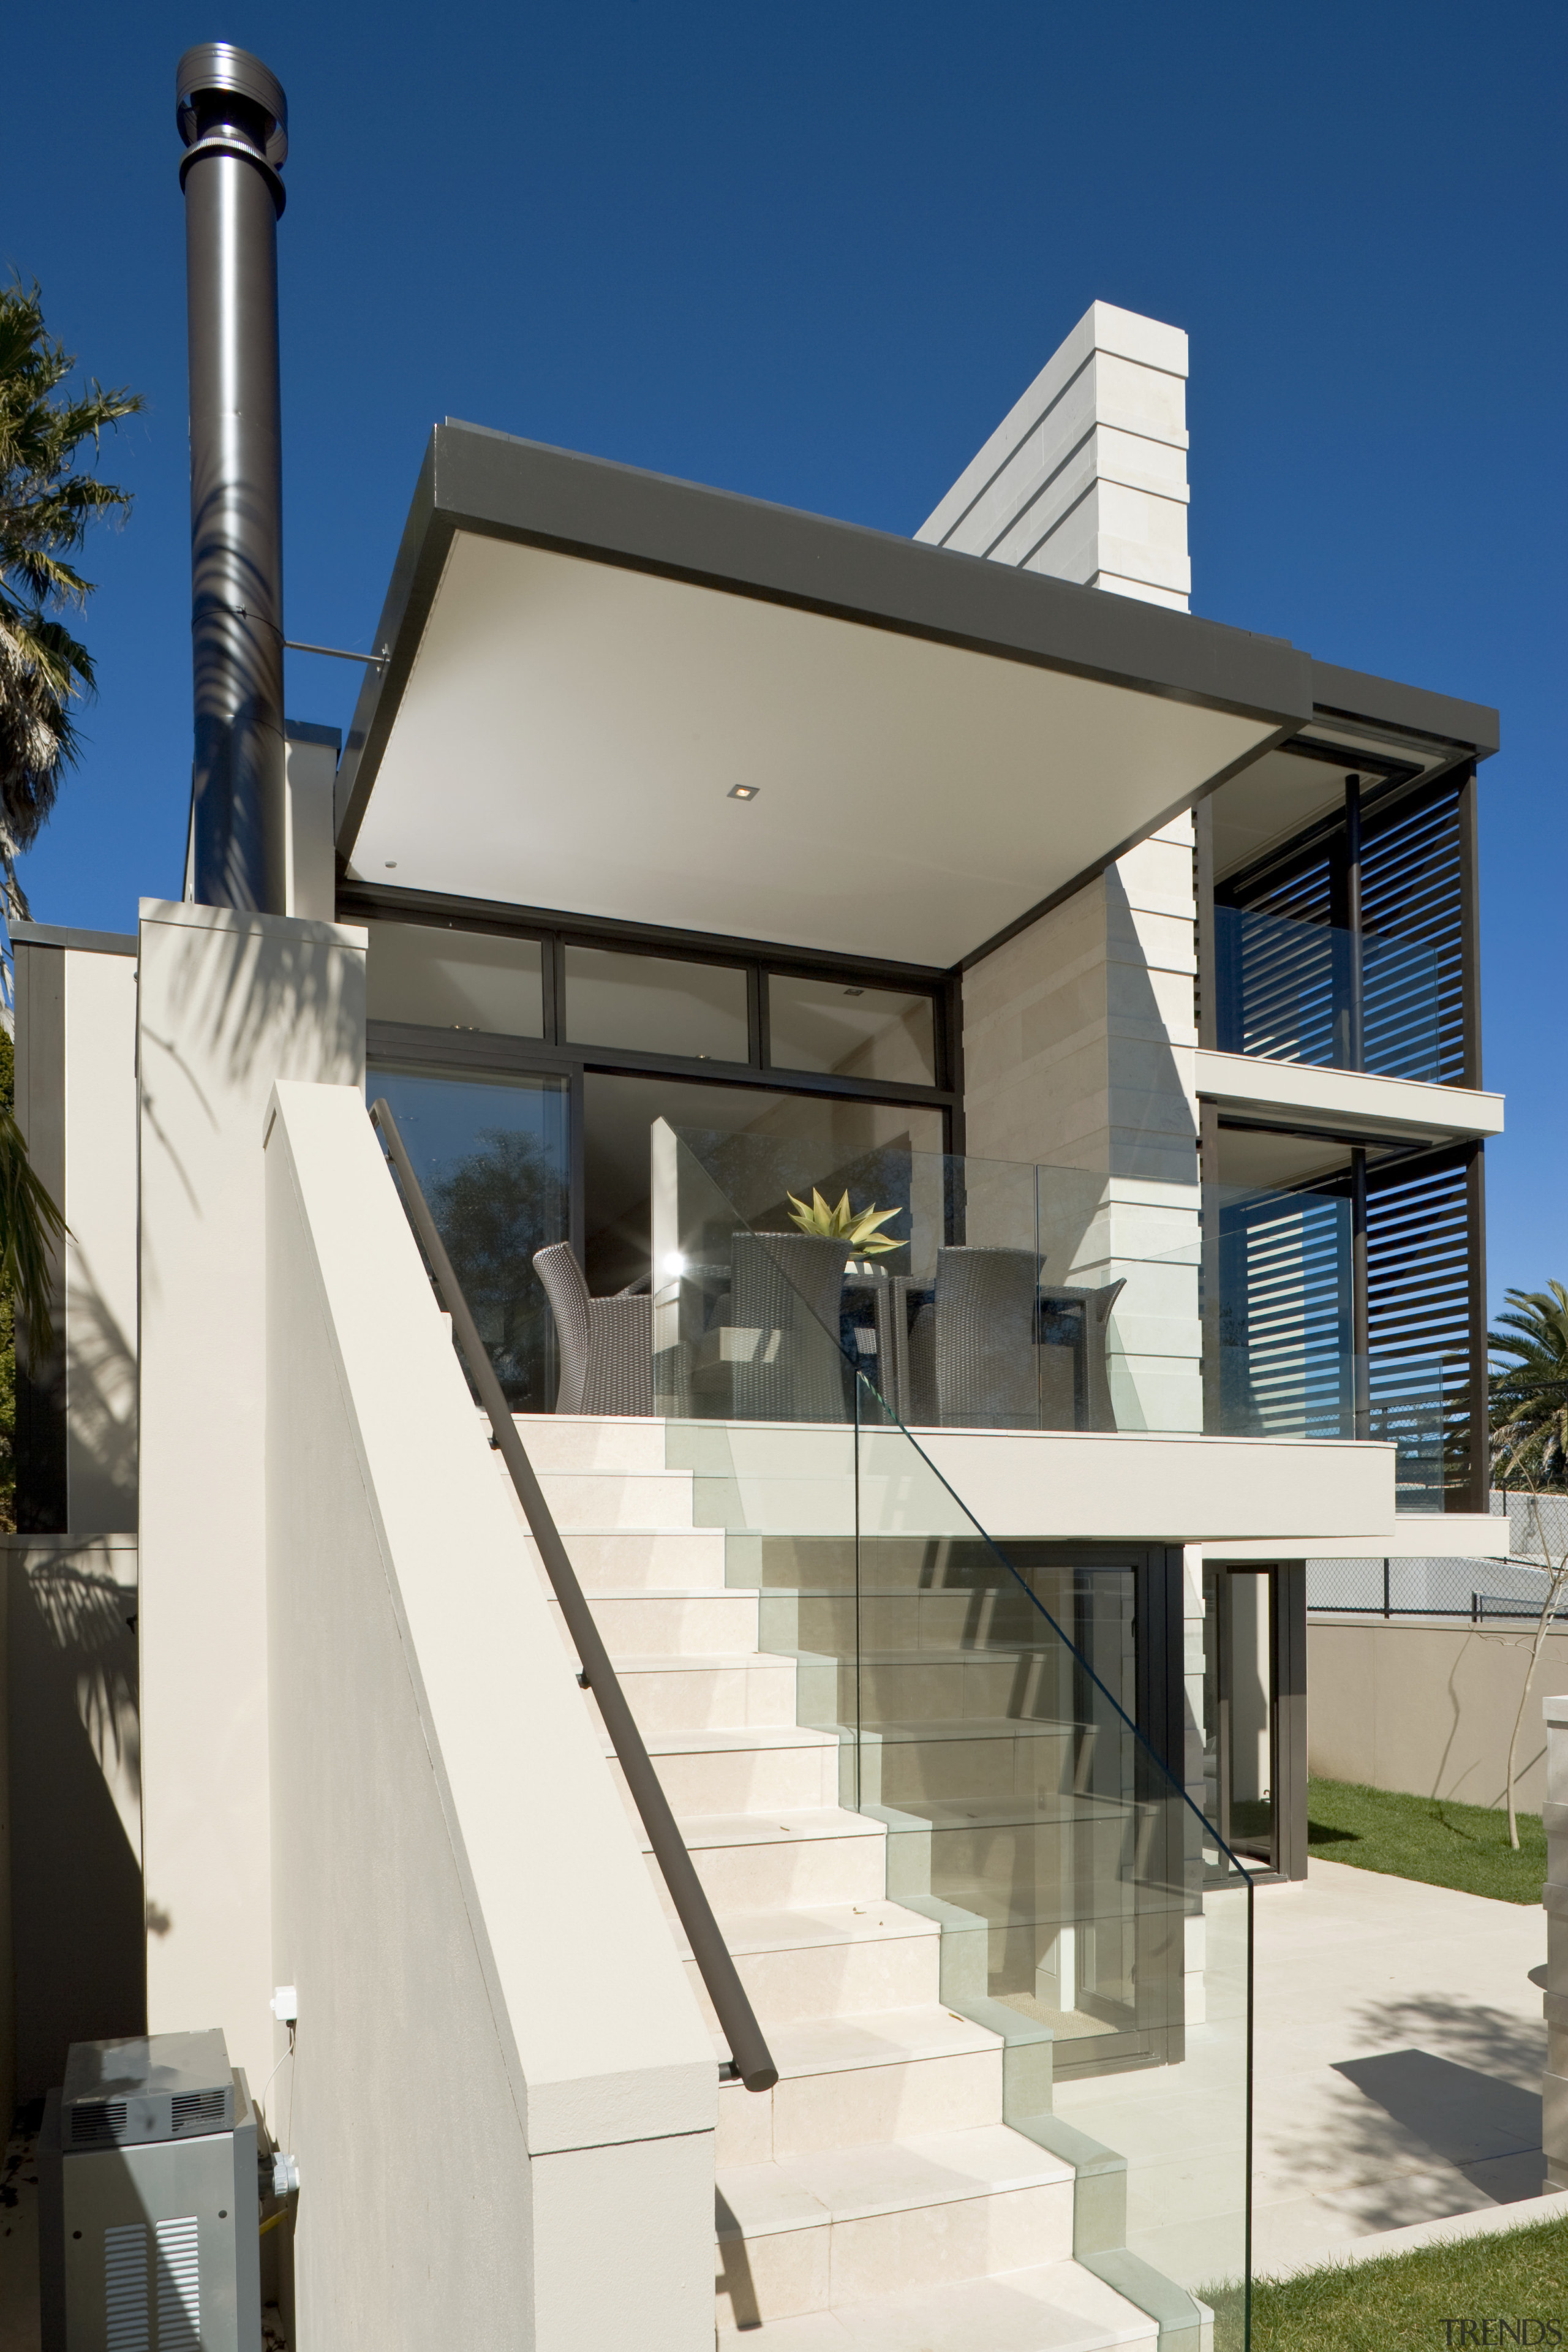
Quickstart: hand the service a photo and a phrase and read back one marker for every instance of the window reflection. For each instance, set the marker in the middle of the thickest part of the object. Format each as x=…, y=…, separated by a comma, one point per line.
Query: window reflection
x=454, y=979
x=490, y=1154
x=653, y=1004
x=853, y=1032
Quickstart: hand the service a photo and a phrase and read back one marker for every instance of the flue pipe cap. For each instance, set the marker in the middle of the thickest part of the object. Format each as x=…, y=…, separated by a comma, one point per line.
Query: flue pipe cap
x=219, y=65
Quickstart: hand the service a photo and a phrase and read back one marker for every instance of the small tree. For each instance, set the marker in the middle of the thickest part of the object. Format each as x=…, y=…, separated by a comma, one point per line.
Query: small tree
x=1529, y=1441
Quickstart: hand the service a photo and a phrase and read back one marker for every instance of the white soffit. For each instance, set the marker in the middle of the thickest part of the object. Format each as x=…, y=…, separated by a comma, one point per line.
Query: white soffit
x=571, y=730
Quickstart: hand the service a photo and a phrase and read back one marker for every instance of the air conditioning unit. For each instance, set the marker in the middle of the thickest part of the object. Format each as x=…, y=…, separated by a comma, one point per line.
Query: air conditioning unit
x=148, y=2200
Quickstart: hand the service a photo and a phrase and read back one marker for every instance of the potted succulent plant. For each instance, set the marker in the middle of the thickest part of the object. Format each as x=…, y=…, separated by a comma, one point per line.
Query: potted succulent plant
x=859, y=1228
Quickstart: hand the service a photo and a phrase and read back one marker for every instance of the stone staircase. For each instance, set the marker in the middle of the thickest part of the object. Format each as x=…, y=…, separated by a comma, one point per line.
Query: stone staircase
x=876, y=2200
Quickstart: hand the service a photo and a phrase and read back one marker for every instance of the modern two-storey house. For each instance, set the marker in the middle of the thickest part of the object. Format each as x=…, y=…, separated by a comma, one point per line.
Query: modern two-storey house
x=690, y=858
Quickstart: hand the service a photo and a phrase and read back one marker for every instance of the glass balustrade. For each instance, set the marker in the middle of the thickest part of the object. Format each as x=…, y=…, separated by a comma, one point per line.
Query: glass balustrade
x=1023, y=1298
x=1012, y=1711
x=1287, y=992
x=1280, y=1358
x=979, y=1293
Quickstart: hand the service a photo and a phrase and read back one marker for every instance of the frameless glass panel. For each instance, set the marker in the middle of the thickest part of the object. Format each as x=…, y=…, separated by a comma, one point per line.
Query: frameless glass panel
x=855, y=1033
x=985, y=1699
x=490, y=1154
x=1279, y=1314
x=454, y=979
x=651, y=1004
x=1239, y=1709
x=997, y=1304
x=749, y=1127
x=1284, y=989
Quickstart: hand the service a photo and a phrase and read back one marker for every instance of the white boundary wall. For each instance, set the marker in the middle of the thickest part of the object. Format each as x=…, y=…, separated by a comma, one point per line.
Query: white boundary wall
x=227, y=1002
x=503, y=2097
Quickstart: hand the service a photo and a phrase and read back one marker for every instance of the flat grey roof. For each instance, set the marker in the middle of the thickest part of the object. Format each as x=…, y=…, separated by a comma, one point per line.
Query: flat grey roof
x=582, y=657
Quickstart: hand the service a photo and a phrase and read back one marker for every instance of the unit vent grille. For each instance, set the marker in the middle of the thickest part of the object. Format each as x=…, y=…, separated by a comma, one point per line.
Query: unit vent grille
x=127, y=2320
x=98, y=2123
x=179, y=2287
x=195, y=2111
x=132, y=2303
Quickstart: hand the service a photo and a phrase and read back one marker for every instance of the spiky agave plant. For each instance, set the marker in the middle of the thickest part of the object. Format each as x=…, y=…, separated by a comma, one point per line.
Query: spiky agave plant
x=858, y=1227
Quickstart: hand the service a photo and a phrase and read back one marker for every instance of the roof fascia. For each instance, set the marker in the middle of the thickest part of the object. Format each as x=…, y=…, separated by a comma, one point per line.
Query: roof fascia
x=497, y=486
x=1352, y=694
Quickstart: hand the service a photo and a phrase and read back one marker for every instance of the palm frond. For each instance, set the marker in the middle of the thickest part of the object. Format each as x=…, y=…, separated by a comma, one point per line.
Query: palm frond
x=29, y=1222
x=46, y=507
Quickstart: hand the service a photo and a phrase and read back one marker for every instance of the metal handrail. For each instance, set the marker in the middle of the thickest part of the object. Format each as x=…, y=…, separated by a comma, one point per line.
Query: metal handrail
x=750, y=2058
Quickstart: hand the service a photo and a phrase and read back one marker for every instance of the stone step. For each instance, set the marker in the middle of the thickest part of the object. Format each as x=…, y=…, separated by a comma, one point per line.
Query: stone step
x=570, y=1441
x=1047, y=2307
x=823, y=1959
x=690, y=1624
x=809, y=2233
x=602, y=1499
x=743, y=1769
x=851, y=2080
x=896, y=1626
x=679, y=1693
x=773, y=1861
x=642, y=1559
x=975, y=1758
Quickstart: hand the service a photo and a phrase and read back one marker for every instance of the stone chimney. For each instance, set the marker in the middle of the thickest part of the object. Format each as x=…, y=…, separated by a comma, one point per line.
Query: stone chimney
x=1086, y=477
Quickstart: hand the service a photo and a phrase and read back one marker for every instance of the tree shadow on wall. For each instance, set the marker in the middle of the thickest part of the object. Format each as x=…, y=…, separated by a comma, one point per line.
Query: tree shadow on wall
x=75, y=1771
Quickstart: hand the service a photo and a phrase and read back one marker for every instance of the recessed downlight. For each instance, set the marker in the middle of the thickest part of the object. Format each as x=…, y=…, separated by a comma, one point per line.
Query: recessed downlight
x=742, y=791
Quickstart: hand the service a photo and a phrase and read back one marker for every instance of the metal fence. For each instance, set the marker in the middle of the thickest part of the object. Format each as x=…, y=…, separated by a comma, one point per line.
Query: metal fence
x=1485, y=1591
x=1477, y=1589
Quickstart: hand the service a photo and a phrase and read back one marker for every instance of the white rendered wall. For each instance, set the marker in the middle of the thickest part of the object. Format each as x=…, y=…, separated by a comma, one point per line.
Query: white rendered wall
x=503, y=2097
x=1079, y=1037
x=228, y=1002
x=310, y=779
x=101, y=1254
x=1220, y=1494
x=75, y=1105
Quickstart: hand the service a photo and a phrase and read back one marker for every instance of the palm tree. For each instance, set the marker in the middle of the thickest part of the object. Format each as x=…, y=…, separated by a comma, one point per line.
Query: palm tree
x=45, y=510
x=1530, y=1395
x=1529, y=1440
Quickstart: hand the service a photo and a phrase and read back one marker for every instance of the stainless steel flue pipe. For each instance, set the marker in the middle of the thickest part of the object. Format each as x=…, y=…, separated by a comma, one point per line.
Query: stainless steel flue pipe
x=233, y=120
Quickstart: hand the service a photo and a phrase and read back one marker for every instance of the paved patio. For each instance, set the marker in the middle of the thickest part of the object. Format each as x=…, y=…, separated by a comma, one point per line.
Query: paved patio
x=1399, y=2051
x=1397, y=2073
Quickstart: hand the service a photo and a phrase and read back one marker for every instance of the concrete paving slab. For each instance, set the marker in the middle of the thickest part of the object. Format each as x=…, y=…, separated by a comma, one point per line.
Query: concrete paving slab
x=1399, y=2050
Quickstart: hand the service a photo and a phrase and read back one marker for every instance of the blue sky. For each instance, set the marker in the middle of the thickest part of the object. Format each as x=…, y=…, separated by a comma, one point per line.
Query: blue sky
x=813, y=254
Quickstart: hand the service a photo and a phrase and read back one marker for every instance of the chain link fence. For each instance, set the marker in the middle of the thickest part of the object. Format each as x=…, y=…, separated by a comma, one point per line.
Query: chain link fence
x=1485, y=1591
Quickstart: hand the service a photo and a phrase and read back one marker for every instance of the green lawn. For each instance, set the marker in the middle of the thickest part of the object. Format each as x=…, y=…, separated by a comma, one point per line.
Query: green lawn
x=1409, y=2300
x=1431, y=1838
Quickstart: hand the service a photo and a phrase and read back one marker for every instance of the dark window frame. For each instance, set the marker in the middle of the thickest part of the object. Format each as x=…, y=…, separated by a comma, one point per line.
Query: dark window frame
x=555, y=931
x=1391, y=792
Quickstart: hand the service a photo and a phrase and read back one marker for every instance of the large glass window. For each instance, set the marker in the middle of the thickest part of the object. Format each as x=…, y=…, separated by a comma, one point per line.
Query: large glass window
x=454, y=979
x=652, y=1004
x=853, y=1031
x=754, y=1138
x=490, y=1154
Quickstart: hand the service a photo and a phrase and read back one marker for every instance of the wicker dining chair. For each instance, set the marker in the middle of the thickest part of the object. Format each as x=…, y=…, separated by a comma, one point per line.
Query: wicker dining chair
x=787, y=1289
x=606, y=1344
x=984, y=1318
